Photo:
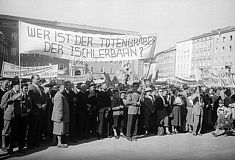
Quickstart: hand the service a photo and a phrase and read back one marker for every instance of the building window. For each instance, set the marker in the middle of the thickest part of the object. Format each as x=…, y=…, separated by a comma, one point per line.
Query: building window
x=110, y=70
x=14, y=36
x=24, y=64
x=77, y=73
x=209, y=45
x=61, y=66
x=102, y=70
x=230, y=48
x=13, y=62
x=13, y=51
x=231, y=38
x=24, y=55
x=36, y=64
x=92, y=69
x=223, y=39
x=36, y=55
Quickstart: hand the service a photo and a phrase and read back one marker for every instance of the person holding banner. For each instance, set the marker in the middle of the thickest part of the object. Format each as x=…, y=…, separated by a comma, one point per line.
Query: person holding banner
x=38, y=97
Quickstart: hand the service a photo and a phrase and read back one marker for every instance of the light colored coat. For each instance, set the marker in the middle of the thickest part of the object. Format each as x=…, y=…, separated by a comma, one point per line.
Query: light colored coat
x=131, y=100
x=60, y=111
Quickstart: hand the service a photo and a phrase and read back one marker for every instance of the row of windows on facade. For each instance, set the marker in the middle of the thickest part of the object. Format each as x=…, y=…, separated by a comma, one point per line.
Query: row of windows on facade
x=202, y=46
x=184, y=57
x=206, y=54
x=201, y=55
x=168, y=62
x=224, y=49
x=203, y=39
x=224, y=39
x=165, y=57
x=218, y=39
x=3, y=49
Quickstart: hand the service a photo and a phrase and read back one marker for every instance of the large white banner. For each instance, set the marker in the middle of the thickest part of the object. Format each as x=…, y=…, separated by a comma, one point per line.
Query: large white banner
x=84, y=47
x=10, y=70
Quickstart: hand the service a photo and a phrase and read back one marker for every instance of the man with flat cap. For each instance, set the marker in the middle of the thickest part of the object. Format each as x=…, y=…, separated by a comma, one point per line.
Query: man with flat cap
x=10, y=105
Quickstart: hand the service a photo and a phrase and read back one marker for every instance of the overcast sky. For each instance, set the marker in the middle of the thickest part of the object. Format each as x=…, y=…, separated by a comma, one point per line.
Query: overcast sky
x=172, y=20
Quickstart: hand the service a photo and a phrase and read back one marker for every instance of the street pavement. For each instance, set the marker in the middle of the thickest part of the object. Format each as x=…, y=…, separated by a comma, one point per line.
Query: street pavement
x=169, y=147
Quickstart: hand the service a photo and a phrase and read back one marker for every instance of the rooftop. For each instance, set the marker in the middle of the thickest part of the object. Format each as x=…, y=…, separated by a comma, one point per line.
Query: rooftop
x=69, y=26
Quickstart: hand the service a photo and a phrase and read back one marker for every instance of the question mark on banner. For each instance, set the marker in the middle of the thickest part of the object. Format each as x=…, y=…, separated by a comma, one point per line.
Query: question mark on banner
x=141, y=50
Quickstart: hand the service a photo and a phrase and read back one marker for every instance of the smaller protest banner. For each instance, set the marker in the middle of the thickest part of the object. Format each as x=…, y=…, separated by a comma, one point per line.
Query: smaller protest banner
x=10, y=70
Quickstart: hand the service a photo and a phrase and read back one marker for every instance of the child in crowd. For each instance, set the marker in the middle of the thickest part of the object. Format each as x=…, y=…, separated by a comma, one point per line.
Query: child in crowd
x=224, y=120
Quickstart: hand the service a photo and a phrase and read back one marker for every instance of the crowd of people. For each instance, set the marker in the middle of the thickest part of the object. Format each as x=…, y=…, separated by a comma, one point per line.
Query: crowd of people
x=62, y=112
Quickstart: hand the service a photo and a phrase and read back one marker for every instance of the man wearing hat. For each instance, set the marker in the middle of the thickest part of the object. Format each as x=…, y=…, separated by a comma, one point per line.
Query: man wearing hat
x=47, y=123
x=5, y=85
x=148, y=108
x=104, y=105
x=133, y=102
x=82, y=106
x=71, y=99
x=11, y=105
x=93, y=110
x=161, y=105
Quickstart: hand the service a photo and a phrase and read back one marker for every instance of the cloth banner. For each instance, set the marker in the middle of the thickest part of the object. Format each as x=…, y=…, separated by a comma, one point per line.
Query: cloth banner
x=210, y=79
x=10, y=71
x=74, y=79
x=84, y=47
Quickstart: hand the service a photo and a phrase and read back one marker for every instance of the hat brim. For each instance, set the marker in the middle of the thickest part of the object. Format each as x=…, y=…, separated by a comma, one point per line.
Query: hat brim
x=92, y=85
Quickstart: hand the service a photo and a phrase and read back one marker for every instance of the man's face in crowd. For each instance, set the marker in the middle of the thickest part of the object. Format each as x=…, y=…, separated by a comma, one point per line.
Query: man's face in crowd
x=68, y=86
x=92, y=88
x=36, y=80
x=47, y=89
x=160, y=92
x=135, y=87
x=25, y=89
x=6, y=84
x=17, y=87
x=122, y=95
x=104, y=86
x=83, y=87
x=211, y=91
x=164, y=93
x=62, y=88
